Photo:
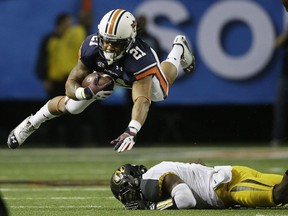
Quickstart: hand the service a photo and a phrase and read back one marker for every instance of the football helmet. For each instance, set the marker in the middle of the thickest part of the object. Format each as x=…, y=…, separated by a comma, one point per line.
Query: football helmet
x=125, y=186
x=119, y=28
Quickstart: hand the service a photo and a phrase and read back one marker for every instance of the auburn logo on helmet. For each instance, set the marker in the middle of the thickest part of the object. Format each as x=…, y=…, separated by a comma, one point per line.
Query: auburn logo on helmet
x=133, y=25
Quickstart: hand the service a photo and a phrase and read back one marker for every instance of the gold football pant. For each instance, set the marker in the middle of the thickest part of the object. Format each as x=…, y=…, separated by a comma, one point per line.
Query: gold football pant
x=249, y=188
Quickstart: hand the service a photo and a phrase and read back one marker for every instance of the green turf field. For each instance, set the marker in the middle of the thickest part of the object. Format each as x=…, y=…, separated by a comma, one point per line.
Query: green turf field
x=45, y=182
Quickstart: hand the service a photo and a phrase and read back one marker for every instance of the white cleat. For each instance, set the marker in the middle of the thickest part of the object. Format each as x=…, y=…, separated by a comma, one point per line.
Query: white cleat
x=187, y=59
x=20, y=133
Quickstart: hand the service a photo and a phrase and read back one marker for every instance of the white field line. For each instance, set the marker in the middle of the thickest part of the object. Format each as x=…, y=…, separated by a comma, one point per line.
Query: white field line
x=238, y=154
x=56, y=198
x=146, y=154
x=56, y=207
x=52, y=189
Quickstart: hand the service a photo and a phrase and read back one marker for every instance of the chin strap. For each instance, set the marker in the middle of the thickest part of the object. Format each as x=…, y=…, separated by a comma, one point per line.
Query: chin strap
x=111, y=57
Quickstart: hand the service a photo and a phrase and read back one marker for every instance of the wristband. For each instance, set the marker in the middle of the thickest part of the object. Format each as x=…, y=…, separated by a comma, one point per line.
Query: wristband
x=135, y=124
x=80, y=94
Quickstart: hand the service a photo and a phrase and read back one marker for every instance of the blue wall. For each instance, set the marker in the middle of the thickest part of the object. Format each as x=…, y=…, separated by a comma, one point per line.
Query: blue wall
x=232, y=40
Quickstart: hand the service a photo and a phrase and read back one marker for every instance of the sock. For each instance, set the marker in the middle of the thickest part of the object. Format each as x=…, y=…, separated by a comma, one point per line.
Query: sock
x=41, y=116
x=174, y=56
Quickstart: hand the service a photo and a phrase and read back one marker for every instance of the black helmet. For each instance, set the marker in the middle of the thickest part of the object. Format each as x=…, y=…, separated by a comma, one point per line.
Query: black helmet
x=125, y=186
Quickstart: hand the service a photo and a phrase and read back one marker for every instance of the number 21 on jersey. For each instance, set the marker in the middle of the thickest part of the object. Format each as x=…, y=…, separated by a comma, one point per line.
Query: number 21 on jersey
x=137, y=53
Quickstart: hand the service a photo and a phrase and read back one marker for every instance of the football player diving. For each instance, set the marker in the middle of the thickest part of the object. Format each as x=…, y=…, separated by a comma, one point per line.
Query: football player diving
x=117, y=51
x=177, y=185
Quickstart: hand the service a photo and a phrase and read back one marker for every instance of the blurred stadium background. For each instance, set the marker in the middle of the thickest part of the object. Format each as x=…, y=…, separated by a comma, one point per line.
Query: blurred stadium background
x=229, y=98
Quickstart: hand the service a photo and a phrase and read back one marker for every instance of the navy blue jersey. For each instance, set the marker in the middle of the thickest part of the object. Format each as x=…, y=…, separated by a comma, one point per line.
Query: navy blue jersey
x=140, y=61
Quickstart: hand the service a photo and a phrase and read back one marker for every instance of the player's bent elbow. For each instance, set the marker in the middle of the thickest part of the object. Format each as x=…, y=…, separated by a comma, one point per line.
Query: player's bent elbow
x=70, y=89
x=143, y=105
x=72, y=96
x=70, y=93
x=144, y=101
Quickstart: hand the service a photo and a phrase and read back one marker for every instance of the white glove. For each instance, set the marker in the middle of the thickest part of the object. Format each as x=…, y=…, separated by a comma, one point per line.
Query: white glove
x=87, y=94
x=125, y=141
x=101, y=95
x=126, y=145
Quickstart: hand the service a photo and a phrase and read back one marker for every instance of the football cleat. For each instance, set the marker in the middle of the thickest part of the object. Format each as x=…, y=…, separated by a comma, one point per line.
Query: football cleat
x=187, y=59
x=20, y=133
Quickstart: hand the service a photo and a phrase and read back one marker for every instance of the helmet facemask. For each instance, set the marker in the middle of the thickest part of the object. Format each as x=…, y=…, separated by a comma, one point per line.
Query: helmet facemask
x=130, y=189
x=125, y=185
x=121, y=46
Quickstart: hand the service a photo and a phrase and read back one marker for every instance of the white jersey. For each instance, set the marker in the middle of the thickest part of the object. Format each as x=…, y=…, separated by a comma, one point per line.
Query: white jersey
x=202, y=181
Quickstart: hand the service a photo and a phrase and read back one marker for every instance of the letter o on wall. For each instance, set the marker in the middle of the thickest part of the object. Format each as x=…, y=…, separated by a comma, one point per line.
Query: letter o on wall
x=209, y=39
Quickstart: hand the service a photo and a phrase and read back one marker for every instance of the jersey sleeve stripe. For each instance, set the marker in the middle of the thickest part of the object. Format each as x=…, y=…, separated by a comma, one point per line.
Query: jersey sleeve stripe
x=163, y=83
x=145, y=69
x=155, y=71
x=148, y=72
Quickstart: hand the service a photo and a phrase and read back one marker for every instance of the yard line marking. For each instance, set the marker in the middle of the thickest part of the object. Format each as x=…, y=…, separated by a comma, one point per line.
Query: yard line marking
x=54, y=207
x=55, y=198
x=52, y=189
x=57, y=182
x=237, y=153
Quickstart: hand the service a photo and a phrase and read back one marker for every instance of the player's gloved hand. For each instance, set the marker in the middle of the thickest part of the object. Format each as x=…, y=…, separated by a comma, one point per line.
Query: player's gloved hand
x=101, y=95
x=125, y=141
x=137, y=205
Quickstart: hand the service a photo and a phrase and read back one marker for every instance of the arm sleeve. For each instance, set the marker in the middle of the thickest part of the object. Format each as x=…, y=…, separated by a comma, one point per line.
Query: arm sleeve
x=183, y=196
x=150, y=189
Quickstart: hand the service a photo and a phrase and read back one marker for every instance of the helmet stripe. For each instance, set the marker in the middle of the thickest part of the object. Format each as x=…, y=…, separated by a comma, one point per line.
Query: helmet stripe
x=117, y=23
x=113, y=21
x=107, y=25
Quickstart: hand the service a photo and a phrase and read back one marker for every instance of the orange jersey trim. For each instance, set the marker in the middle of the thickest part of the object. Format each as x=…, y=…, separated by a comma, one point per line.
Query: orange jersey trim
x=155, y=71
x=148, y=72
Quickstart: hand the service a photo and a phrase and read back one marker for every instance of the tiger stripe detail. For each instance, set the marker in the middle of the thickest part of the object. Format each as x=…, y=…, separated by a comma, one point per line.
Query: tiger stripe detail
x=155, y=71
x=148, y=72
x=113, y=21
x=163, y=83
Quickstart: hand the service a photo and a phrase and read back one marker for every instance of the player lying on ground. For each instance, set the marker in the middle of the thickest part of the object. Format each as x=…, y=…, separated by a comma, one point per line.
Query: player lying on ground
x=117, y=51
x=176, y=185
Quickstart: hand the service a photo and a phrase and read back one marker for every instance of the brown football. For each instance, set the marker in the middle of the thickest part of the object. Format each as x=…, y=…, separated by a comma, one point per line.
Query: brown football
x=98, y=82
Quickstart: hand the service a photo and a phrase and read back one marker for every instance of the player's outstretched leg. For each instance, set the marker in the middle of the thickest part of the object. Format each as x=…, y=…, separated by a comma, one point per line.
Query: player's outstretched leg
x=187, y=59
x=53, y=108
x=180, y=55
x=20, y=133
